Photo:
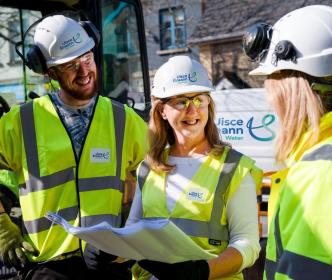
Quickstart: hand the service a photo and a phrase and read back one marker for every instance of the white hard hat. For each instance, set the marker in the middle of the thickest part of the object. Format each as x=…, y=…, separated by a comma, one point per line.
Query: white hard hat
x=305, y=35
x=180, y=75
x=61, y=39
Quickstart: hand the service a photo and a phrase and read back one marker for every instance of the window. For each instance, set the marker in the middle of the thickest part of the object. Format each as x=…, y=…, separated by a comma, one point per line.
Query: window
x=14, y=36
x=122, y=64
x=172, y=28
x=16, y=80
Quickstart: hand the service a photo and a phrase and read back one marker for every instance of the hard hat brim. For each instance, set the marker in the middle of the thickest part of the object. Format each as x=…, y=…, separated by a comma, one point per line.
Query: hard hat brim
x=180, y=90
x=87, y=47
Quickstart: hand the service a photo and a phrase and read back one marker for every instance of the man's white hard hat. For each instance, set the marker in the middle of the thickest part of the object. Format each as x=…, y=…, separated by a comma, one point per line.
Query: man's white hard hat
x=309, y=30
x=180, y=75
x=61, y=39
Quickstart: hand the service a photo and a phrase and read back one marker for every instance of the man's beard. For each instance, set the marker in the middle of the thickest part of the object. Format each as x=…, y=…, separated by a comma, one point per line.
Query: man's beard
x=81, y=94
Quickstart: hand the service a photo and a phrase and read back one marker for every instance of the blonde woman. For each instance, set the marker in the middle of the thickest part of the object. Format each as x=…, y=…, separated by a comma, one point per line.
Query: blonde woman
x=296, y=56
x=191, y=177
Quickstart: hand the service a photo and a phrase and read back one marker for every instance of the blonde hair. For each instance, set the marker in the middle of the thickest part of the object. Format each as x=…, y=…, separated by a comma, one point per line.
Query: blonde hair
x=160, y=134
x=298, y=107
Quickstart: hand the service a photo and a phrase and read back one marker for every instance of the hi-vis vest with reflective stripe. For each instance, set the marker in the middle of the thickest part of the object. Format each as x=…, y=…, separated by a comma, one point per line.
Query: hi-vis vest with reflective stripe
x=299, y=243
x=204, y=220
x=84, y=191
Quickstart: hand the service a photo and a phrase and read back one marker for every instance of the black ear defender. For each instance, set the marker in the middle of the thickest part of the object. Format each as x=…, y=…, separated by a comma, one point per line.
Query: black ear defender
x=284, y=50
x=256, y=40
x=35, y=59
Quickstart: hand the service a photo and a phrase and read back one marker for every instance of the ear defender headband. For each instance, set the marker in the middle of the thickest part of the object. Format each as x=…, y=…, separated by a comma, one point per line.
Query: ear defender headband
x=256, y=40
x=35, y=59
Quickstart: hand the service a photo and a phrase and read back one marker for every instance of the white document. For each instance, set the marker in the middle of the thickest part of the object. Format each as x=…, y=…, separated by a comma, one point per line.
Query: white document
x=153, y=239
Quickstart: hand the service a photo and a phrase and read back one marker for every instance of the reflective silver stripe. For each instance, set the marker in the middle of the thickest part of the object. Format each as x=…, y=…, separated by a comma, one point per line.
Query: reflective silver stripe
x=143, y=172
x=271, y=266
x=231, y=162
x=301, y=267
x=119, y=116
x=298, y=267
x=199, y=228
x=29, y=138
x=322, y=153
x=101, y=183
x=279, y=247
x=47, y=182
x=270, y=269
x=42, y=224
x=113, y=220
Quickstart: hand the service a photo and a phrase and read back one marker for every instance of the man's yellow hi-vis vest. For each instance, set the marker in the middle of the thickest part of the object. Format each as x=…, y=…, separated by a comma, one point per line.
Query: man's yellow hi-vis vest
x=84, y=190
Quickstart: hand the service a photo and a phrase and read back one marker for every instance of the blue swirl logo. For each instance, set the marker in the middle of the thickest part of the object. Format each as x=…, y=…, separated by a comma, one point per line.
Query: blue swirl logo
x=267, y=120
x=77, y=38
x=192, y=77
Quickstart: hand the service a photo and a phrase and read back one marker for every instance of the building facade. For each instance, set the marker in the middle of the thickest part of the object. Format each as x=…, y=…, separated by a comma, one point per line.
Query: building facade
x=219, y=32
x=169, y=24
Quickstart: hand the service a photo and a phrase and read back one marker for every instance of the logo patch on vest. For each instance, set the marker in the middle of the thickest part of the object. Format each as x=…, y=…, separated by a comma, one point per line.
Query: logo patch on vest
x=100, y=155
x=214, y=242
x=196, y=195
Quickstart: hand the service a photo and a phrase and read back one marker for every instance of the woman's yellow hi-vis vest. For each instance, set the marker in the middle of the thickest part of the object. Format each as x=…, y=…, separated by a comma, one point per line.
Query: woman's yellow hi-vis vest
x=204, y=219
x=84, y=191
x=299, y=242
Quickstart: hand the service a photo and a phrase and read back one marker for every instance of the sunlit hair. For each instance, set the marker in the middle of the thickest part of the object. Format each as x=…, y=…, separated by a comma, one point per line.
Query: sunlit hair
x=298, y=107
x=160, y=134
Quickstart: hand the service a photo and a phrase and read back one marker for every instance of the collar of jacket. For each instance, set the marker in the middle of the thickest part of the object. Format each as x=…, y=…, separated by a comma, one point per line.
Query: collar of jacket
x=325, y=128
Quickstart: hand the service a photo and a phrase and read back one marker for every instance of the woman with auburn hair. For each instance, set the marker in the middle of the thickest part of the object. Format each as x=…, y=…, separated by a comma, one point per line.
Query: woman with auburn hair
x=193, y=178
x=296, y=56
x=160, y=134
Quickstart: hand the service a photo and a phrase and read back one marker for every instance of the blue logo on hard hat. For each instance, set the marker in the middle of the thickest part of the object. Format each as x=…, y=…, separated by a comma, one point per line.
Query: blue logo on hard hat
x=192, y=77
x=77, y=38
x=184, y=78
x=71, y=42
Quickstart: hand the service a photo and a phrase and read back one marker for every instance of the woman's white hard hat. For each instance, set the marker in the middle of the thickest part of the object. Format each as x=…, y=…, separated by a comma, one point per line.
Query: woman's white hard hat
x=180, y=75
x=61, y=39
x=309, y=30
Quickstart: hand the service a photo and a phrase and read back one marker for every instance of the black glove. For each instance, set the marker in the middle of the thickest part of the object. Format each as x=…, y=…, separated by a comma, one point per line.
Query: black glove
x=189, y=270
x=96, y=259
